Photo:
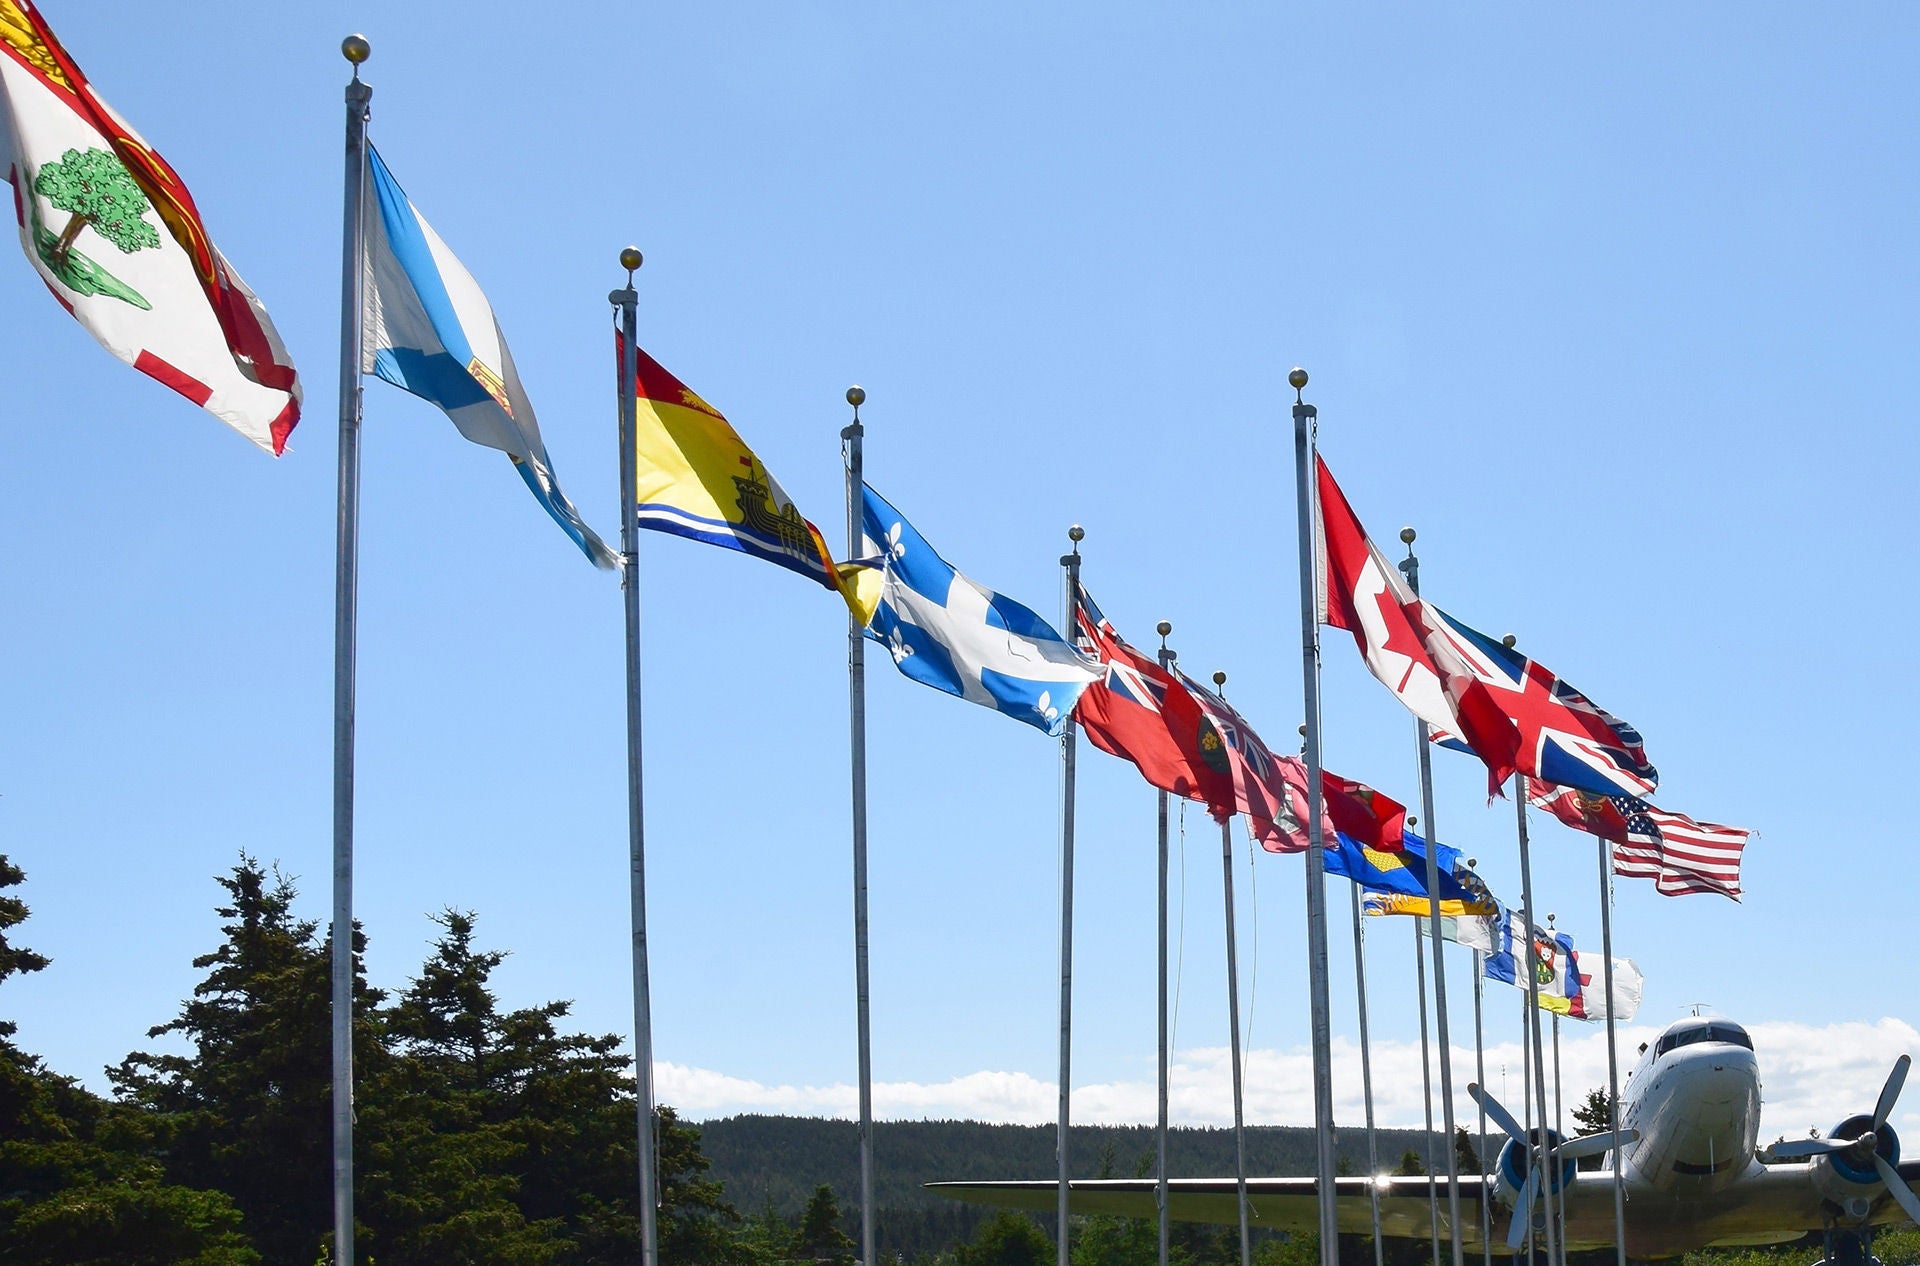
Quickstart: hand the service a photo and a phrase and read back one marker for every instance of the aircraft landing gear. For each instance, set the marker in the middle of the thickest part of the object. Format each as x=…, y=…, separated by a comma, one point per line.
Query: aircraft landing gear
x=1849, y=1246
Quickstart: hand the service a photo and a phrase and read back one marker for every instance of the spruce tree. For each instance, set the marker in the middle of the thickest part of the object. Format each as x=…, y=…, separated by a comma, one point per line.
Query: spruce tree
x=820, y=1238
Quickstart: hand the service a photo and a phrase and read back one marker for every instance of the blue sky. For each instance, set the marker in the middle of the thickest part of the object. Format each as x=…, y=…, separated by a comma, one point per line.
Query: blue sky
x=1615, y=307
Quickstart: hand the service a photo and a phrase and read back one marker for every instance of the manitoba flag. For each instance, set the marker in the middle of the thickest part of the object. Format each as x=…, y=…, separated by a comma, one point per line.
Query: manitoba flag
x=114, y=234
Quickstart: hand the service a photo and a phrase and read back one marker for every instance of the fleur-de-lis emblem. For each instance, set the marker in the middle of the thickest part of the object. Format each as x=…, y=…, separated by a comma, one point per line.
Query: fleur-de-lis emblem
x=897, y=645
x=1045, y=708
x=895, y=549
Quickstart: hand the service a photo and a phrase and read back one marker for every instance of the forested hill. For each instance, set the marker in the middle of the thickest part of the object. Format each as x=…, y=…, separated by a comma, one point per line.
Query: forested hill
x=779, y=1160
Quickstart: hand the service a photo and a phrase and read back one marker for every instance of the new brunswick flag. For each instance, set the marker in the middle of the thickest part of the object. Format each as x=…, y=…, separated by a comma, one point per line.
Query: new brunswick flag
x=114, y=234
x=696, y=477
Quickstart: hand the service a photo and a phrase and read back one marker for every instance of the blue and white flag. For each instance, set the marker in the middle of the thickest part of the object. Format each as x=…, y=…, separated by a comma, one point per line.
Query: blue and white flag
x=954, y=635
x=430, y=331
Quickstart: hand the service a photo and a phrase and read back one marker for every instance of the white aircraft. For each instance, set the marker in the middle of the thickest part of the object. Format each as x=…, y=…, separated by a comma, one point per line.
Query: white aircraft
x=1689, y=1122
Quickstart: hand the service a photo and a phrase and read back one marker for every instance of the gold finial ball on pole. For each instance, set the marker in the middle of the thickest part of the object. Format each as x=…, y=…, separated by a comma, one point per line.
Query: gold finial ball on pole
x=1412, y=820
x=631, y=258
x=856, y=395
x=1297, y=379
x=1509, y=641
x=1076, y=534
x=1164, y=627
x=1407, y=535
x=1472, y=862
x=356, y=49
x=1303, y=729
x=1219, y=678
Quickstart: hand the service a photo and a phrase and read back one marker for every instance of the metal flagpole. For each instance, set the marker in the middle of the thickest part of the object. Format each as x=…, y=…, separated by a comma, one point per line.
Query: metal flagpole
x=1411, y=566
x=1526, y=1095
x=1071, y=562
x=1426, y=1083
x=1559, y=1115
x=628, y=301
x=1305, y=417
x=852, y=436
x=1480, y=1075
x=1613, y=1060
x=1233, y=1023
x=346, y=590
x=1544, y=1159
x=1160, y=1180
x=1366, y=1076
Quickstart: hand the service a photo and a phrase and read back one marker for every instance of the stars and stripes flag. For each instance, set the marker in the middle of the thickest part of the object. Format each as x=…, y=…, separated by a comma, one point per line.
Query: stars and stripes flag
x=1404, y=643
x=1564, y=737
x=1680, y=855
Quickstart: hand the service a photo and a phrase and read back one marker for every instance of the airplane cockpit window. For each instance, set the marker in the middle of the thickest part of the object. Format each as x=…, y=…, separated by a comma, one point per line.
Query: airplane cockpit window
x=1703, y=1031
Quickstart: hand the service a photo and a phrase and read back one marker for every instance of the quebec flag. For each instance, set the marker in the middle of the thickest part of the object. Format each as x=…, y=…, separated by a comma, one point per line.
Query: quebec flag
x=947, y=632
x=430, y=331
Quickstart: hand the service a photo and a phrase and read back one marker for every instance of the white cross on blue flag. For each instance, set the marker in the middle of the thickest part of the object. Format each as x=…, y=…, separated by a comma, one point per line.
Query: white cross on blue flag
x=947, y=632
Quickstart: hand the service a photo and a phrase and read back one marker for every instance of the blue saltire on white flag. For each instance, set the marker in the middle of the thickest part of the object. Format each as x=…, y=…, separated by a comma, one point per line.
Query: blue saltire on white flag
x=430, y=331
x=954, y=635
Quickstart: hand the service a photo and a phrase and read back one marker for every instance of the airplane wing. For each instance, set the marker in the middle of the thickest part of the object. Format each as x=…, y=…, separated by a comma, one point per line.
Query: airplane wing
x=1278, y=1204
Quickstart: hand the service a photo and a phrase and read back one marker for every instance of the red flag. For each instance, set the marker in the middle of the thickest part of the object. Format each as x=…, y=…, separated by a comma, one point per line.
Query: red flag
x=1271, y=790
x=1581, y=810
x=1363, y=814
x=1404, y=644
x=1140, y=713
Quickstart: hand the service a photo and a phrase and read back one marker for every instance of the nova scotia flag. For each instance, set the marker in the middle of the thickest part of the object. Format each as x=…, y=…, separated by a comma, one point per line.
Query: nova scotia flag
x=947, y=632
x=430, y=331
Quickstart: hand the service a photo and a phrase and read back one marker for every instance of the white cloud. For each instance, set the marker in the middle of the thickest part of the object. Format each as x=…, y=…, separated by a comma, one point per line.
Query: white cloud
x=1810, y=1076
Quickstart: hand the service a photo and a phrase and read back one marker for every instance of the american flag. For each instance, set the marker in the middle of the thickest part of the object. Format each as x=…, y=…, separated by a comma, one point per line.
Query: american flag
x=1677, y=853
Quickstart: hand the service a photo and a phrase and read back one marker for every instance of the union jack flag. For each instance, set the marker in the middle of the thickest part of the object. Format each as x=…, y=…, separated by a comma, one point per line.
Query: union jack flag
x=1565, y=737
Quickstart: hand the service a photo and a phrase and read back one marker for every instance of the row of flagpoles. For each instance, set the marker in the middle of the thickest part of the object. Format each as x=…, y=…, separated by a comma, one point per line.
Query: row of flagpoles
x=167, y=302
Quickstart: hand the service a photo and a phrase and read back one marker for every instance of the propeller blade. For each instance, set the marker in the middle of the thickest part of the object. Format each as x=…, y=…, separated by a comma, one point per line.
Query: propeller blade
x=1593, y=1144
x=1796, y=1149
x=1523, y=1210
x=1891, y=1091
x=1500, y=1115
x=1897, y=1186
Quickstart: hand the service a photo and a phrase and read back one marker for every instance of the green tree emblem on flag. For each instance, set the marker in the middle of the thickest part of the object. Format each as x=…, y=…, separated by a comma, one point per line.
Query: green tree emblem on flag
x=96, y=189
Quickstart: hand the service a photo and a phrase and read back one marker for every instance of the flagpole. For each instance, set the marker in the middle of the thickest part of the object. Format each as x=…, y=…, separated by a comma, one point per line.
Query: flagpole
x=1426, y=1080
x=1480, y=1077
x=1071, y=562
x=1526, y=1089
x=1366, y=1076
x=346, y=590
x=628, y=301
x=1233, y=1023
x=1613, y=1059
x=1559, y=1114
x=1411, y=566
x=854, y=435
x=1539, y=1069
x=1160, y=1181
x=1325, y=1185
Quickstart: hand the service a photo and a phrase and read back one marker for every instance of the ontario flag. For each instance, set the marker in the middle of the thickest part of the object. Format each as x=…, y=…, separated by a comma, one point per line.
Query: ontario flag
x=1565, y=738
x=114, y=234
x=1405, y=644
x=1680, y=855
x=1140, y=713
x=1270, y=790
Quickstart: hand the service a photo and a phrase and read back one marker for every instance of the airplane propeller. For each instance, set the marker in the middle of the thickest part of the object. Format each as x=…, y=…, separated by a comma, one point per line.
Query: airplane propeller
x=1570, y=1149
x=1866, y=1146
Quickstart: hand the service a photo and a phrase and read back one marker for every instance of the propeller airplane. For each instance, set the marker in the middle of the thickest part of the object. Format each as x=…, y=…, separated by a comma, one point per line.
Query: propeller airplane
x=1687, y=1147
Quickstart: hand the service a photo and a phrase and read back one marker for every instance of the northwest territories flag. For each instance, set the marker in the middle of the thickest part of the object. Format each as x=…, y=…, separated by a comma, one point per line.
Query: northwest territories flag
x=114, y=234
x=1556, y=970
x=430, y=331
x=947, y=632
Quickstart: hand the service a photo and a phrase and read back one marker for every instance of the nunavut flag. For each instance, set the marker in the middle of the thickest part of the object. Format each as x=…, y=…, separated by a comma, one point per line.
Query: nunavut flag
x=696, y=477
x=113, y=232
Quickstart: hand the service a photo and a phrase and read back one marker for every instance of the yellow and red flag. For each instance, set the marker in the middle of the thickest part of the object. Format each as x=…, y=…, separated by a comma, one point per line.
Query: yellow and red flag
x=695, y=477
x=114, y=233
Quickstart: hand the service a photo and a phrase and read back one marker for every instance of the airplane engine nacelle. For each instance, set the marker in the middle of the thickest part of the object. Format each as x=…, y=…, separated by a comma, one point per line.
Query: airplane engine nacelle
x=1849, y=1179
x=1516, y=1162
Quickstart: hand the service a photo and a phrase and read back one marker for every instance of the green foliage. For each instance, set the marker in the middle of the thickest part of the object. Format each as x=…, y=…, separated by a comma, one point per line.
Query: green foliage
x=820, y=1238
x=94, y=186
x=1007, y=1239
x=1466, y=1156
x=1593, y=1116
x=14, y=959
x=1410, y=1163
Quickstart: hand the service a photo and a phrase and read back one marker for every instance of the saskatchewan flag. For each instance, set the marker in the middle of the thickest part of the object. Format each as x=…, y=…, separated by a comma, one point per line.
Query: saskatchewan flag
x=696, y=477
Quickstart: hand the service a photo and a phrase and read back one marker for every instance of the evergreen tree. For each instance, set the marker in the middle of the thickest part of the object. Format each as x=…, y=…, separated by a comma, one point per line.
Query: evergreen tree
x=820, y=1238
x=80, y=1184
x=1593, y=1116
x=1410, y=1163
x=1007, y=1239
x=248, y=1111
x=1465, y=1154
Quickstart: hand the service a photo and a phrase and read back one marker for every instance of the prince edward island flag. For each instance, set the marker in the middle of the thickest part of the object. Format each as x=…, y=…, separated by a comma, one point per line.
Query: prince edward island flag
x=947, y=632
x=430, y=331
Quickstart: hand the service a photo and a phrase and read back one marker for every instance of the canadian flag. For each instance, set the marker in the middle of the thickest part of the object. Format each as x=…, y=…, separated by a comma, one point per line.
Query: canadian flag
x=1404, y=642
